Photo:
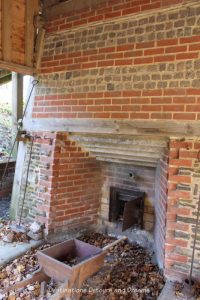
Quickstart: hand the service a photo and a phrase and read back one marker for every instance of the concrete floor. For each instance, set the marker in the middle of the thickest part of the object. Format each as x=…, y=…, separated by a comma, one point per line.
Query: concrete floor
x=168, y=293
x=9, y=252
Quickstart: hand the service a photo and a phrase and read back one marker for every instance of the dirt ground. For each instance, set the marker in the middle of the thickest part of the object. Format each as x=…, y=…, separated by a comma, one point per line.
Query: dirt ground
x=128, y=273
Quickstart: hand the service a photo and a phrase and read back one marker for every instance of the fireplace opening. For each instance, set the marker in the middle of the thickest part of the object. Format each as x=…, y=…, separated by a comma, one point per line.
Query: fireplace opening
x=126, y=207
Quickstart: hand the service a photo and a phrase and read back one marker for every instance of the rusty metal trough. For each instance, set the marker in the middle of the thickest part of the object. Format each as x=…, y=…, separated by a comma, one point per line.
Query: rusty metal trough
x=90, y=259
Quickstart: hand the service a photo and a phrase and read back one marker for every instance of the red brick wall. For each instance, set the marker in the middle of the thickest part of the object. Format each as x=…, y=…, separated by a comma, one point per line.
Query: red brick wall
x=183, y=196
x=66, y=192
x=114, y=62
x=108, y=10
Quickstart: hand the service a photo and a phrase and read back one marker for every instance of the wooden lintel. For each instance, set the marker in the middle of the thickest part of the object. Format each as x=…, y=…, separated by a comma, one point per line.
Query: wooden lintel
x=17, y=68
x=164, y=128
x=69, y=6
x=6, y=30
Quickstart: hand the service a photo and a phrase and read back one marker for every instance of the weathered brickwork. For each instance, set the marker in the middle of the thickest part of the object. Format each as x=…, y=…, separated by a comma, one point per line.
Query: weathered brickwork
x=161, y=193
x=107, y=10
x=63, y=185
x=76, y=188
x=142, y=67
x=132, y=178
x=7, y=181
x=39, y=184
x=183, y=197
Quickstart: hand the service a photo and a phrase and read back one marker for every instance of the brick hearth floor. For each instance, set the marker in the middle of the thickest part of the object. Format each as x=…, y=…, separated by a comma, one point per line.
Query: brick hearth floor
x=4, y=208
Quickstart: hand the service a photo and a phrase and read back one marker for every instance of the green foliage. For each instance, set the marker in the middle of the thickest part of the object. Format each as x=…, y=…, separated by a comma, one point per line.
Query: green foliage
x=5, y=127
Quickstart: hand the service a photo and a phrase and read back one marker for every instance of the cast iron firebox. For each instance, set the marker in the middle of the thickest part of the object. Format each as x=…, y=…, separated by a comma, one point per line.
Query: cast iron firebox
x=126, y=206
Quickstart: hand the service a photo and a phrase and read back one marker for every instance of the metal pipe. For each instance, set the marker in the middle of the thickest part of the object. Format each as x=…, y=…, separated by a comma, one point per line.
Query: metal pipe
x=195, y=240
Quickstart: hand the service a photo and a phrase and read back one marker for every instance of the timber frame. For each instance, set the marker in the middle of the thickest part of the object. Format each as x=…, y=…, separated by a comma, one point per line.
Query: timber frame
x=165, y=128
x=18, y=42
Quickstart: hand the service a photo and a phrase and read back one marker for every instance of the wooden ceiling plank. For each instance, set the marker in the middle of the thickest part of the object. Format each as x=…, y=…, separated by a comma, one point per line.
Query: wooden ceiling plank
x=6, y=30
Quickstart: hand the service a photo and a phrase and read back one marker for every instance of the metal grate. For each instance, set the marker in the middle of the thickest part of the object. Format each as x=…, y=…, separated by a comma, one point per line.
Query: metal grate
x=126, y=206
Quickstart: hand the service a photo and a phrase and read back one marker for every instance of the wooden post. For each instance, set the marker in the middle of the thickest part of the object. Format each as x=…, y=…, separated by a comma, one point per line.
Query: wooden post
x=32, y=7
x=17, y=103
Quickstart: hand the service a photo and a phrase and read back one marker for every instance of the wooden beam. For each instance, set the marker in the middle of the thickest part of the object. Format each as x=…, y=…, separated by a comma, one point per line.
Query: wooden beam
x=6, y=30
x=127, y=150
x=32, y=7
x=69, y=6
x=39, y=47
x=119, y=140
x=164, y=128
x=17, y=68
x=17, y=102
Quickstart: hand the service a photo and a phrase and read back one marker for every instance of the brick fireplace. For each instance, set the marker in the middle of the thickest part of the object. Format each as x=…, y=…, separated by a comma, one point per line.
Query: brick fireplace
x=118, y=106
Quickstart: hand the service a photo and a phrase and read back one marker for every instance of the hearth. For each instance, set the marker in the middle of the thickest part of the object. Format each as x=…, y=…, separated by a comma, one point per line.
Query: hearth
x=126, y=207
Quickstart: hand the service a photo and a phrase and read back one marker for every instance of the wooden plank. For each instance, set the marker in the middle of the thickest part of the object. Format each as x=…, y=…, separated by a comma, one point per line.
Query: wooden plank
x=6, y=29
x=37, y=276
x=163, y=128
x=32, y=8
x=39, y=47
x=16, y=67
x=18, y=31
